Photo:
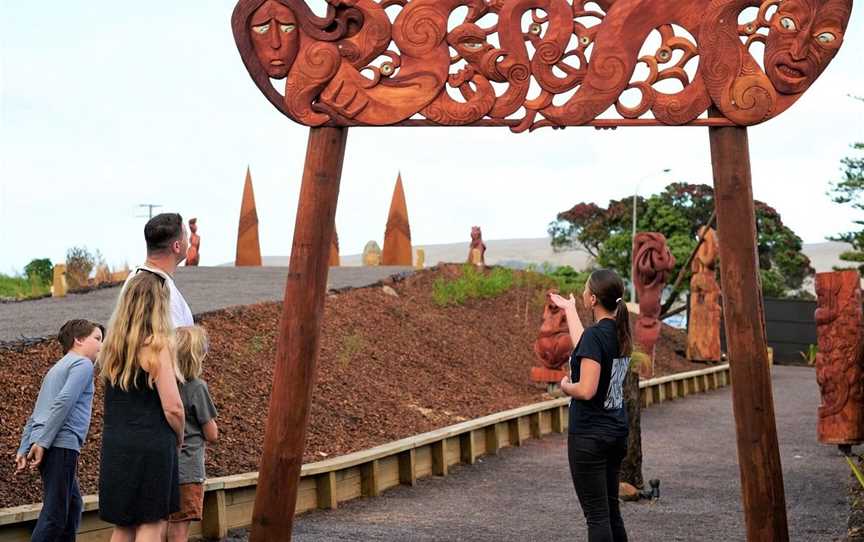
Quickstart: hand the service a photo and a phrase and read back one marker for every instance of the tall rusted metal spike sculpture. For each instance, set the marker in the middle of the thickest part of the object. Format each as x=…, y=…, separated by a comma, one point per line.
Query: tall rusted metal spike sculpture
x=248, y=248
x=397, y=235
x=360, y=65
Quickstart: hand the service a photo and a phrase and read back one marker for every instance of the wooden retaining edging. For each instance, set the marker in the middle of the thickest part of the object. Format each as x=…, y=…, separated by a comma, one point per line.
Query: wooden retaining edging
x=228, y=501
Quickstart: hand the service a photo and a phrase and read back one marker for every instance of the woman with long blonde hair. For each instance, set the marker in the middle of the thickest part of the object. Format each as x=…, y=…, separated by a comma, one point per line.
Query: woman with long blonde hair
x=143, y=414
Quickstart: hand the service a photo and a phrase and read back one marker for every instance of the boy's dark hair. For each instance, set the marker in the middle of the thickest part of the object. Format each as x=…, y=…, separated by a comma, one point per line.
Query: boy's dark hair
x=609, y=289
x=76, y=329
x=161, y=231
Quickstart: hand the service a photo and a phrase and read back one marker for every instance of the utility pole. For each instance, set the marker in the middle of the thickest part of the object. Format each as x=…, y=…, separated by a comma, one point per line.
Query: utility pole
x=150, y=207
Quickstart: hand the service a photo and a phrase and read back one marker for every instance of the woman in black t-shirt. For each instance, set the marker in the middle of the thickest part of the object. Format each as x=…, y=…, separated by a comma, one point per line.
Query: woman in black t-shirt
x=597, y=440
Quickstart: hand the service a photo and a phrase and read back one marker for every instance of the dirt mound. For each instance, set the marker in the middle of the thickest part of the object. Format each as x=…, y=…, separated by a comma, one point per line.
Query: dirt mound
x=390, y=367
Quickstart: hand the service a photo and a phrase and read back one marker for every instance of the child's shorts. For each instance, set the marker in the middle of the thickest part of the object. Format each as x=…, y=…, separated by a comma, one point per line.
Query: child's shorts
x=191, y=503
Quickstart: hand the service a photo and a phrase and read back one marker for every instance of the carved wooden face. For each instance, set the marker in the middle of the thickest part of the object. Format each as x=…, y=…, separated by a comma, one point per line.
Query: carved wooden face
x=274, y=32
x=804, y=37
x=475, y=233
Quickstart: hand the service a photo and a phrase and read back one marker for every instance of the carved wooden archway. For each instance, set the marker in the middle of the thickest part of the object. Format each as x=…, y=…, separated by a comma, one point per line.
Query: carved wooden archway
x=528, y=64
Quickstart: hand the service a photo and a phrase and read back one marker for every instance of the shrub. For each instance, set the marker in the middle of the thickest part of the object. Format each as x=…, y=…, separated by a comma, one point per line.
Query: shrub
x=472, y=284
x=41, y=269
x=79, y=263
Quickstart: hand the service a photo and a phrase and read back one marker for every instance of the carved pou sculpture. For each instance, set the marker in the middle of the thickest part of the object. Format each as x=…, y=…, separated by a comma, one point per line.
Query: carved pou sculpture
x=840, y=360
x=553, y=345
x=361, y=65
x=703, y=323
x=652, y=264
x=477, y=245
x=193, y=253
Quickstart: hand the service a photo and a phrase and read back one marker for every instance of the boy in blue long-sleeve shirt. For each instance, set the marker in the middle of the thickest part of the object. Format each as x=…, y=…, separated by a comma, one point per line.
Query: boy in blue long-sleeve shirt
x=56, y=430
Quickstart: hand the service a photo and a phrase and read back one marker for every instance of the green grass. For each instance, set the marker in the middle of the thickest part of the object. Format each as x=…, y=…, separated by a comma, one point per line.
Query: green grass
x=22, y=287
x=472, y=284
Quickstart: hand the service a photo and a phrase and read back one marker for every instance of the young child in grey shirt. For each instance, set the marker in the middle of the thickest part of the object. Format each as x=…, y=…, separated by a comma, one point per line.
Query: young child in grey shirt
x=200, y=428
x=54, y=433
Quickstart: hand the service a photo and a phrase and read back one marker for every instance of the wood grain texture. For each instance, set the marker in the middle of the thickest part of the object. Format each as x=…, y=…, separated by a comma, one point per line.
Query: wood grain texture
x=360, y=65
x=248, y=246
x=297, y=347
x=703, y=323
x=652, y=264
x=764, y=500
x=840, y=361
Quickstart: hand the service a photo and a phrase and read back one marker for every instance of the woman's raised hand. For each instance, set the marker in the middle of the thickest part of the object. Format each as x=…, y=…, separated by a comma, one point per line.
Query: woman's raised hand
x=562, y=303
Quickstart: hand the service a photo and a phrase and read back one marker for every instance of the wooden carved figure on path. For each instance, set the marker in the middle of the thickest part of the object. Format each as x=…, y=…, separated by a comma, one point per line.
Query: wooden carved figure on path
x=477, y=249
x=553, y=345
x=703, y=324
x=193, y=255
x=248, y=247
x=652, y=264
x=840, y=361
x=334, y=259
x=397, y=236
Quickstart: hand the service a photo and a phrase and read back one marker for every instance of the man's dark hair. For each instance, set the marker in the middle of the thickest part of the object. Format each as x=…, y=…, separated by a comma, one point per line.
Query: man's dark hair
x=161, y=231
x=76, y=329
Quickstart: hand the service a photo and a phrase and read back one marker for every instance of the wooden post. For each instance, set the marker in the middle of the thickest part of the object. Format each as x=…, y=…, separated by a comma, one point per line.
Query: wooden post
x=325, y=486
x=297, y=348
x=752, y=399
x=467, y=448
x=408, y=467
x=214, y=524
x=439, y=458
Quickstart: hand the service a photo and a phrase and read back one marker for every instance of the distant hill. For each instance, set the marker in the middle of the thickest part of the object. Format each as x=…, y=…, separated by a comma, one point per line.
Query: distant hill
x=521, y=252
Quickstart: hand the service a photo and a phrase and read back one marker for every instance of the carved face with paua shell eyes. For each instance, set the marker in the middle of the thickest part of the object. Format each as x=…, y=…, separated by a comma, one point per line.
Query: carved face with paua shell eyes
x=804, y=37
x=273, y=28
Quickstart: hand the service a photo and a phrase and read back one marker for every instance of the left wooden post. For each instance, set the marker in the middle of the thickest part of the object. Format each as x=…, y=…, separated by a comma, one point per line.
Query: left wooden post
x=299, y=331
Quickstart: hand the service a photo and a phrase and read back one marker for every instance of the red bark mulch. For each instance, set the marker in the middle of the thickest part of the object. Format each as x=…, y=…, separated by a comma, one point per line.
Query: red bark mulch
x=390, y=367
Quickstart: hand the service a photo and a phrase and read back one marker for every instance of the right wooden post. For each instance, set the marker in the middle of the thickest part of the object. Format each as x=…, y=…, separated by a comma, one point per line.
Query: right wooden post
x=752, y=399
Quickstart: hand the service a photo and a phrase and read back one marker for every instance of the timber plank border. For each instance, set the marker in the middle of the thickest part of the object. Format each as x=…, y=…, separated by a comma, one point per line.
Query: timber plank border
x=324, y=484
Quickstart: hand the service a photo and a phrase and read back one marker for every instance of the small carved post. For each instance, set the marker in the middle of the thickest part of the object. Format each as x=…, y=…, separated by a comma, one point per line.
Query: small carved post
x=703, y=325
x=752, y=398
x=193, y=253
x=297, y=348
x=839, y=363
x=652, y=263
x=553, y=346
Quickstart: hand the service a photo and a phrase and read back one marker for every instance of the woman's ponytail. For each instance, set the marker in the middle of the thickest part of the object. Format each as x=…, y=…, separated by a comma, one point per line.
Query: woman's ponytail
x=622, y=323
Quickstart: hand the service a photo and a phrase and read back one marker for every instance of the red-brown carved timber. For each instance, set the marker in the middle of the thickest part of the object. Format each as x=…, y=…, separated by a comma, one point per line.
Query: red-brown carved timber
x=652, y=263
x=840, y=361
x=357, y=66
x=397, y=234
x=703, y=322
x=762, y=492
x=248, y=247
x=553, y=345
x=299, y=331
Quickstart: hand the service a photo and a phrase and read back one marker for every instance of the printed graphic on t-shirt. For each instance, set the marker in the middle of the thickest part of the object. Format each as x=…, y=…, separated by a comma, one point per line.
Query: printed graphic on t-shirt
x=615, y=393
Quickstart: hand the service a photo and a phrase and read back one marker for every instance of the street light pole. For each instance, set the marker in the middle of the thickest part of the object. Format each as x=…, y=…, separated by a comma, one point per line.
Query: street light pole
x=633, y=237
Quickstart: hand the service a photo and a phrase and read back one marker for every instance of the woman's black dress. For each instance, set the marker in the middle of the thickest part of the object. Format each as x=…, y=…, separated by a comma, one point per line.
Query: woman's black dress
x=138, y=478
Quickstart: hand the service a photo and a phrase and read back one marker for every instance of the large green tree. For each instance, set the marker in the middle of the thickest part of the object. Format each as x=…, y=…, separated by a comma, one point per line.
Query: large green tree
x=850, y=191
x=678, y=212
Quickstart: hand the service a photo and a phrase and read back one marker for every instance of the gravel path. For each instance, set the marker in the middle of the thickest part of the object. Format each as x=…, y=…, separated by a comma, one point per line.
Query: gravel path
x=526, y=494
x=205, y=289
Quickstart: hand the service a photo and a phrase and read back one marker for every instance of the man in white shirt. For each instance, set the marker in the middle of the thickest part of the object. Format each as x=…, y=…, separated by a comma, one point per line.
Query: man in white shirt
x=167, y=243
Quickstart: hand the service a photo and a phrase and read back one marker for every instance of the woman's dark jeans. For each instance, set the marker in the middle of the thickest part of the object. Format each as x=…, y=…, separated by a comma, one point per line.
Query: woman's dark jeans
x=594, y=464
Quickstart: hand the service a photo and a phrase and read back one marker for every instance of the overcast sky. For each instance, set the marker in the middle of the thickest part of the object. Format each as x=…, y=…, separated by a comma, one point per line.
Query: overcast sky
x=107, y=105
